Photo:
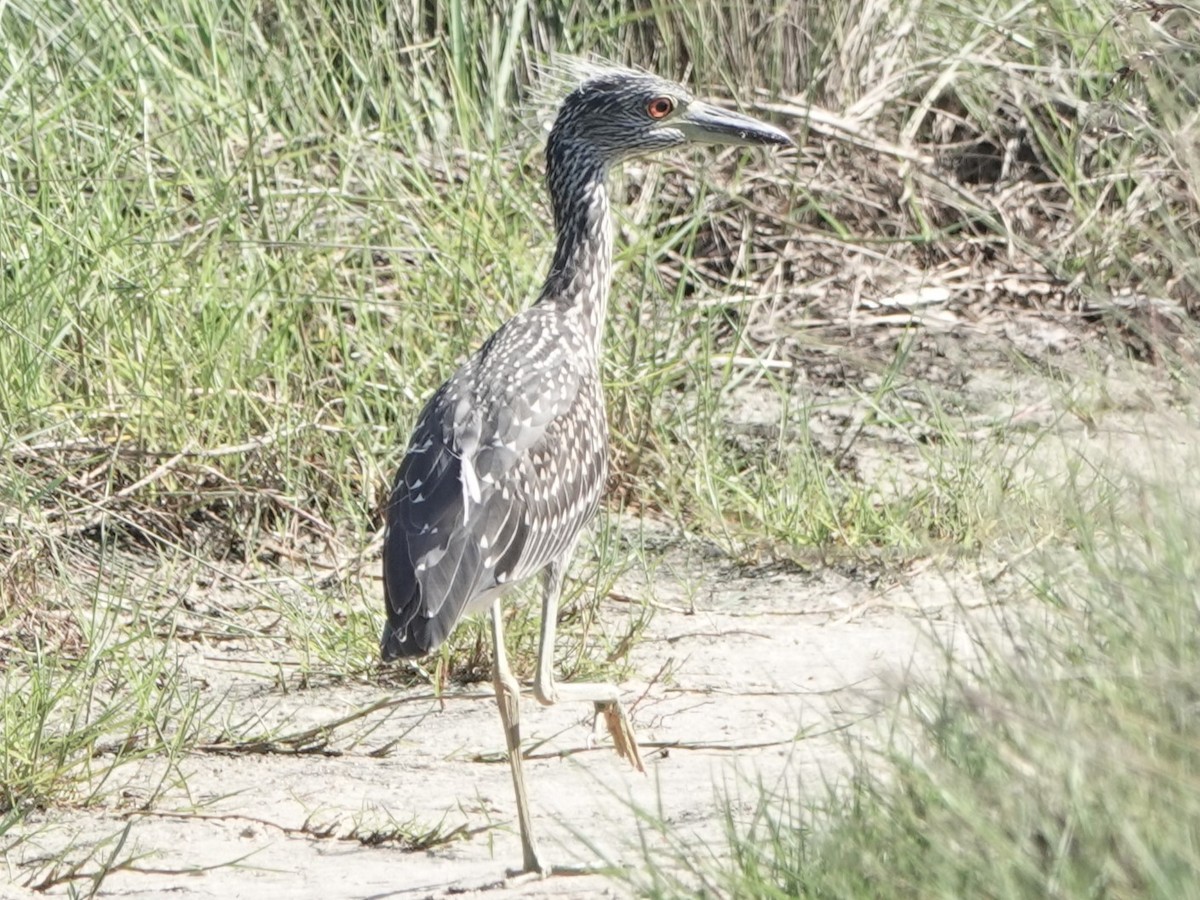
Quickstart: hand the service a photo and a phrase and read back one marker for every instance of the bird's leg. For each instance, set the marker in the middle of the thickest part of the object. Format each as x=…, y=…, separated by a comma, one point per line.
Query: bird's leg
x=607, y=697
x=508, y=697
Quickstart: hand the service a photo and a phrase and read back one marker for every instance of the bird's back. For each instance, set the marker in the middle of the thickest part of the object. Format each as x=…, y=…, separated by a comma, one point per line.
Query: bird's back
x=505, y=467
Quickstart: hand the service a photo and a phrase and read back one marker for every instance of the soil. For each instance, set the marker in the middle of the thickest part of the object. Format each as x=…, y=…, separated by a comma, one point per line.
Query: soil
x=759, y=678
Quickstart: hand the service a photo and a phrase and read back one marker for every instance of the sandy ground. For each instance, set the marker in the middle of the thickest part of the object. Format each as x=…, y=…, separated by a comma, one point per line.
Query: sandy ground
x=744, y=676
x=761, y=676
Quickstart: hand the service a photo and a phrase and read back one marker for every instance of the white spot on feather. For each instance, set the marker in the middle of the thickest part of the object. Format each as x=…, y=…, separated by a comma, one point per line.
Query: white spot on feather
x=470, y=483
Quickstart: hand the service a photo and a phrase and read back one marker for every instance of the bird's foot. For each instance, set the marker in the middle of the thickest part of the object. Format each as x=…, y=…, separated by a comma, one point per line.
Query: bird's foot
x=514, y=877
x=619, y=726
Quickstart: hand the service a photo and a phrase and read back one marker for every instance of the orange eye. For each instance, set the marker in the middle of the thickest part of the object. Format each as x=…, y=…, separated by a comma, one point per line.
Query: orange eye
x=660, y=107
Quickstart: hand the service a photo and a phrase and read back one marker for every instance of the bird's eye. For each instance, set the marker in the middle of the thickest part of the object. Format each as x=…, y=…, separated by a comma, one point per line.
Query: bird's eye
x=660, y=107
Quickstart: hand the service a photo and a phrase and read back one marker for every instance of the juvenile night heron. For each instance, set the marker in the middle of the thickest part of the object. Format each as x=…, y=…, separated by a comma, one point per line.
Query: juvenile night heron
x=509, y=457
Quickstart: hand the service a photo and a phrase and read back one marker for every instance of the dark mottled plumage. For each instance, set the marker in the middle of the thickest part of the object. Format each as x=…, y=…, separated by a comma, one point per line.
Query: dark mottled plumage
x=505, y=468
x=508, y=459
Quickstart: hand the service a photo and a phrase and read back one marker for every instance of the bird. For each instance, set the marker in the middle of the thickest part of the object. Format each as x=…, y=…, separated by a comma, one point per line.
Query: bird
x=508, y=459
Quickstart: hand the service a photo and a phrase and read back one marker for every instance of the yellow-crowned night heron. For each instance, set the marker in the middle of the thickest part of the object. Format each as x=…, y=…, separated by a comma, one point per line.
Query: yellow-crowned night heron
x=509, y=457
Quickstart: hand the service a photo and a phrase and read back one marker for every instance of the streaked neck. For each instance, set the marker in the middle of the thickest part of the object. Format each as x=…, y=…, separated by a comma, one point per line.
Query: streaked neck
x=581, y=273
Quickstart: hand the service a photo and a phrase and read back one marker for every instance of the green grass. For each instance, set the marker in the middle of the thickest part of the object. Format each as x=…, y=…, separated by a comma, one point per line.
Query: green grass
x=241, y=242
x=1062, y=763
x=88, y=694
x=211, y=255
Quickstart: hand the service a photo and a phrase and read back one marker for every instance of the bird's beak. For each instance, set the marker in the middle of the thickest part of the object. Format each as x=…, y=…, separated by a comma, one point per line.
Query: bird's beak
x=707, y=124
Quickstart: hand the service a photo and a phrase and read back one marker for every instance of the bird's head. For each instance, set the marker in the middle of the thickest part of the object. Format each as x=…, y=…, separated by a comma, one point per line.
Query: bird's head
x=616, y=114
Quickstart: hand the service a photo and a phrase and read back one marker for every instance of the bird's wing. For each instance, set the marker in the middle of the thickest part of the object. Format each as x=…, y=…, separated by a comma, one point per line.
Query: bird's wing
x=458, y=518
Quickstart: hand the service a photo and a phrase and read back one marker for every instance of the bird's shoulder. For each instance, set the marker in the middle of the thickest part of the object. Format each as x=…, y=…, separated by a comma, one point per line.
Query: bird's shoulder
x=541, y=339
x=530, y=372
x=516, y=390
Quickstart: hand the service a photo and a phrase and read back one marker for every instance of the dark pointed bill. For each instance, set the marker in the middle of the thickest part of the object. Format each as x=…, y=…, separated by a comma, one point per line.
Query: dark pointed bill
x=709, y=124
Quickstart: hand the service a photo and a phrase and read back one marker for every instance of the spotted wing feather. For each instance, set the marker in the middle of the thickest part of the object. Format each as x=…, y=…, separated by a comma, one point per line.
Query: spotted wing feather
x=470, y=499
